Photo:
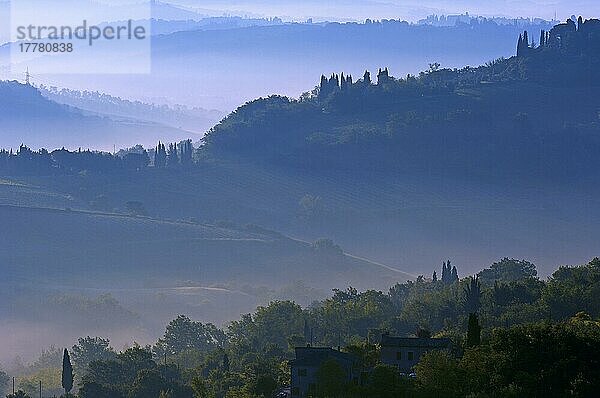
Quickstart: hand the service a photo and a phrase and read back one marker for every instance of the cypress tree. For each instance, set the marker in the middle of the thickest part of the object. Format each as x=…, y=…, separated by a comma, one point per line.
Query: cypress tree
x=444, y=273
x=172, y=156
x=67, y=373
x=454, y=275
x=186, y=150
x=434, y=277
x=160, y=156
x=306, y=332
x=472, y=300
x=543, y=39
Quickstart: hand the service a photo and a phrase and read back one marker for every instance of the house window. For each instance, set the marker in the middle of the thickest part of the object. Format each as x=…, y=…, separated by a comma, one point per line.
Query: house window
x=398, y=355
x=302, y=372
x=411, y=356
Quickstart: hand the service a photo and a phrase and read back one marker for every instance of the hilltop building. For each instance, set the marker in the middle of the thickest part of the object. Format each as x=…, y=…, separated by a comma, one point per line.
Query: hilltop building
x=405, y=352
x=572, y=36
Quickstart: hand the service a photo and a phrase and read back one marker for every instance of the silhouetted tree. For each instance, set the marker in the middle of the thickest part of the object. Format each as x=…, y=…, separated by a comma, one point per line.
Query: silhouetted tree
x=472, y=300
x=449, y=273
x=445, y=276
x=383, y=76
x=172, y=156
x=454, y=275
x=88, y=350
x=186, y=150
x=307, y=332
x=67, y=373
x=160, y=155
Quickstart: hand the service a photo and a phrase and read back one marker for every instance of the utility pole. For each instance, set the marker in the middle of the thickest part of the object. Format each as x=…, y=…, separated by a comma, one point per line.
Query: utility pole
x=13, y=385
x=27, y=77
x=40, y=389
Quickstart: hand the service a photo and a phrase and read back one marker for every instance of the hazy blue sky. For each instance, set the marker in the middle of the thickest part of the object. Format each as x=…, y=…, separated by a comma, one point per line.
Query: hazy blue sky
x=403, y=9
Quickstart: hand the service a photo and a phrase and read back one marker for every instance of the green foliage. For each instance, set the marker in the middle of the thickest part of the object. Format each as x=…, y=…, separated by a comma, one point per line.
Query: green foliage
x=434, y=306
x=268, y=330
x=96, y=390
x=574, y=289
x=472, y=295
x=250, y=359
x=537, y=360
x=385, y=382
x=439, y=374
x=508, y=270
x=88, y=350
x=474, y=331
x=200, y=387
x=366, y=353
x=349, y=314
x=50, y=378
x=331, y=380
x=148, y=383
x=182, y=334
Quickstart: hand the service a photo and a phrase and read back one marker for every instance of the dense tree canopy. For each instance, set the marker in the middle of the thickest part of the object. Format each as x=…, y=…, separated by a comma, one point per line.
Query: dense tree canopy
x=528, y=337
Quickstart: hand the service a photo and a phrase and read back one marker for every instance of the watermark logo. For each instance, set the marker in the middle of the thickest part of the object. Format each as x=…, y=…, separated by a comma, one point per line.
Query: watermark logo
x=81, y=36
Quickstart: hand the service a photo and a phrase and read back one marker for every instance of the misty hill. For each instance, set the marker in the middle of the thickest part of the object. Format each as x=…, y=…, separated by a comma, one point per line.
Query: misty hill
x=27, y=116
x=161, y=10
x=196, y=120
x=466, y=164
x=262, y=60
x=102, y=250
x=518, y=117
x=497, y=145
x=58, y=258
x=163, y=27
x=223, y=68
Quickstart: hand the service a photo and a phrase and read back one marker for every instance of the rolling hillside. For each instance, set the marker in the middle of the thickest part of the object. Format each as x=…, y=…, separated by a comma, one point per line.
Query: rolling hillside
x=76, y=273
x=27, y=116
x=100, y=250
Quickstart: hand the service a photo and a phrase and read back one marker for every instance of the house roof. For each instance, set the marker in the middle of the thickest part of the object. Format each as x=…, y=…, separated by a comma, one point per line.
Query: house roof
x=315, y=356
x=414, y=342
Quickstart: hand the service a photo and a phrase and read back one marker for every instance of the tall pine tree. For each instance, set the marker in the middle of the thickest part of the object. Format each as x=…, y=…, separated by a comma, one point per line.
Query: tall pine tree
x=67, y=373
